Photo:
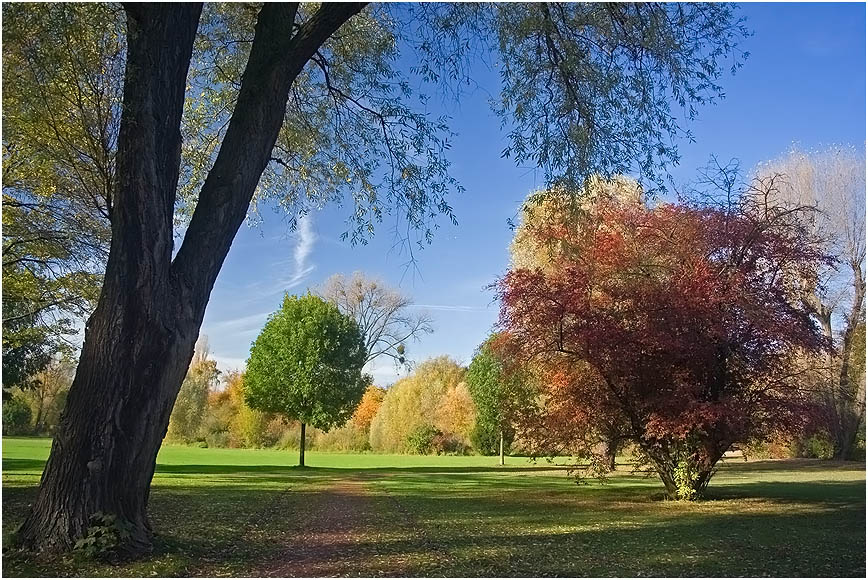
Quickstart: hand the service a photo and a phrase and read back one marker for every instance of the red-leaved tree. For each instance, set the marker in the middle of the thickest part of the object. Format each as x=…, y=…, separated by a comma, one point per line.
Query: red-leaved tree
x=676, y=324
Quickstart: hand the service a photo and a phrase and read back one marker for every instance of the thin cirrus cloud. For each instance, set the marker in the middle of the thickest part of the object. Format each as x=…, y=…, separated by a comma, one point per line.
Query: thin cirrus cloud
x=301, y=266
x=241, y=325
x=453, y=308
x=231, y=336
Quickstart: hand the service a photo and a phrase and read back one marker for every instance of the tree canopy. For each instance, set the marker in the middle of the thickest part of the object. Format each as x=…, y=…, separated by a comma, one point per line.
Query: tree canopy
x=62, y=65
x=307, y=364
x=675, y=323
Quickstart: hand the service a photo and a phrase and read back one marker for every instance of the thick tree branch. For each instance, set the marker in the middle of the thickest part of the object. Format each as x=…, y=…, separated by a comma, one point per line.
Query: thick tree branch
x=276, y=59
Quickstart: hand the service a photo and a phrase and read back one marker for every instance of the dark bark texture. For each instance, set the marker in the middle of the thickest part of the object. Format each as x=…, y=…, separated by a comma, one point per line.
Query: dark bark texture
x=140, y=339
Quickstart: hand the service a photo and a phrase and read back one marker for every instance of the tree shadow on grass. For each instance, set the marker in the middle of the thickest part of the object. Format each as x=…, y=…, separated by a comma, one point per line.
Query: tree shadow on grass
x=736, y=464
x=480, y=525
x=25, y=466
x=821, y=491
x=347, y=471
x=486, y=536
x=35, y=467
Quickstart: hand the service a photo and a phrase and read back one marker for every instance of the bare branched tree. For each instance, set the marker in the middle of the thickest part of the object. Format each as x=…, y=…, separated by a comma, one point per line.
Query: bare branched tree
x=380, y=311
x=833, y=182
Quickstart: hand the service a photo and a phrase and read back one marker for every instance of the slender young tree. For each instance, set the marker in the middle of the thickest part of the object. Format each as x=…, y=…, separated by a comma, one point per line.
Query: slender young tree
x=576, y=83
x=306, y=364
x=499, y=389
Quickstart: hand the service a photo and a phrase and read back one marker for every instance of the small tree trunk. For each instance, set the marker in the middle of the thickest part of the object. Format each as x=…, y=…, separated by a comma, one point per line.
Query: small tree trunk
x=37, y=425
x=846, y=440
x=502, y=462
x=301, y=447
x=668, y=479
x=665, y=468
x=851, y=408
x=606, y=450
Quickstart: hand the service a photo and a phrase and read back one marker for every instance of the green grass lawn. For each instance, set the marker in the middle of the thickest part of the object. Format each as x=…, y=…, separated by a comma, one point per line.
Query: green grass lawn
x=236, y=512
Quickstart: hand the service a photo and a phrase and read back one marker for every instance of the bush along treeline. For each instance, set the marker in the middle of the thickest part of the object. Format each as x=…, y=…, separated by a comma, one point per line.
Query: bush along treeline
x=34, y=406
x=430, y=411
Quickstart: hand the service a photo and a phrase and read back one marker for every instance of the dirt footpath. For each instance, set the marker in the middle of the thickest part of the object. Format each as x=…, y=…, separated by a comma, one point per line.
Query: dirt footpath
x=350, y=530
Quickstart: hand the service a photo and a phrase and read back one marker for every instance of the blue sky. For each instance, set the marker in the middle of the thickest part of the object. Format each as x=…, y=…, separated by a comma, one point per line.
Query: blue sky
x=804, y=83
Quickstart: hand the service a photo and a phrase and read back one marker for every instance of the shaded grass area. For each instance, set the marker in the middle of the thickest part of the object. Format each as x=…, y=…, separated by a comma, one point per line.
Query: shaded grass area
x=541, y=525
x=243, y=512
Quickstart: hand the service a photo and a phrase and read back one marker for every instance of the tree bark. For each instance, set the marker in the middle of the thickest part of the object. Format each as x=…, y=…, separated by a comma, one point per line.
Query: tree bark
x=301, y=447
x=140, y=339
x=607, y=449
x=667, y=476
x=137, y=347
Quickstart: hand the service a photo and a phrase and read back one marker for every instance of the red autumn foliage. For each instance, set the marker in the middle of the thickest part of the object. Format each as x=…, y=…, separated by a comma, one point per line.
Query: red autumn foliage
x=676, y=326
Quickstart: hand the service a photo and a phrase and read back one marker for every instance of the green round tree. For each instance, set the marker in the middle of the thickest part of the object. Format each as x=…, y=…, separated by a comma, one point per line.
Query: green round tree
x=307, y=364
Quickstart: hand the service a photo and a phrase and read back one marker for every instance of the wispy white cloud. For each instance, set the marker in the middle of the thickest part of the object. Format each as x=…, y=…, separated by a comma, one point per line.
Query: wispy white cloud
x=300, y=264
x=306, y=238
x=241, y=323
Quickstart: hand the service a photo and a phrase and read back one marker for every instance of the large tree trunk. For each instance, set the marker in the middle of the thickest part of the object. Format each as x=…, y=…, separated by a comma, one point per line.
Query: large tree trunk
x=136, y=346
x=140, y=339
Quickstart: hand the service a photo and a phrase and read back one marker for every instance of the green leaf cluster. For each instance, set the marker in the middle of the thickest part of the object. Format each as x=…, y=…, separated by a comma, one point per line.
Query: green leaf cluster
x=62, y=71
x=105, y=534
x=499, y=393
x=307, y=364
